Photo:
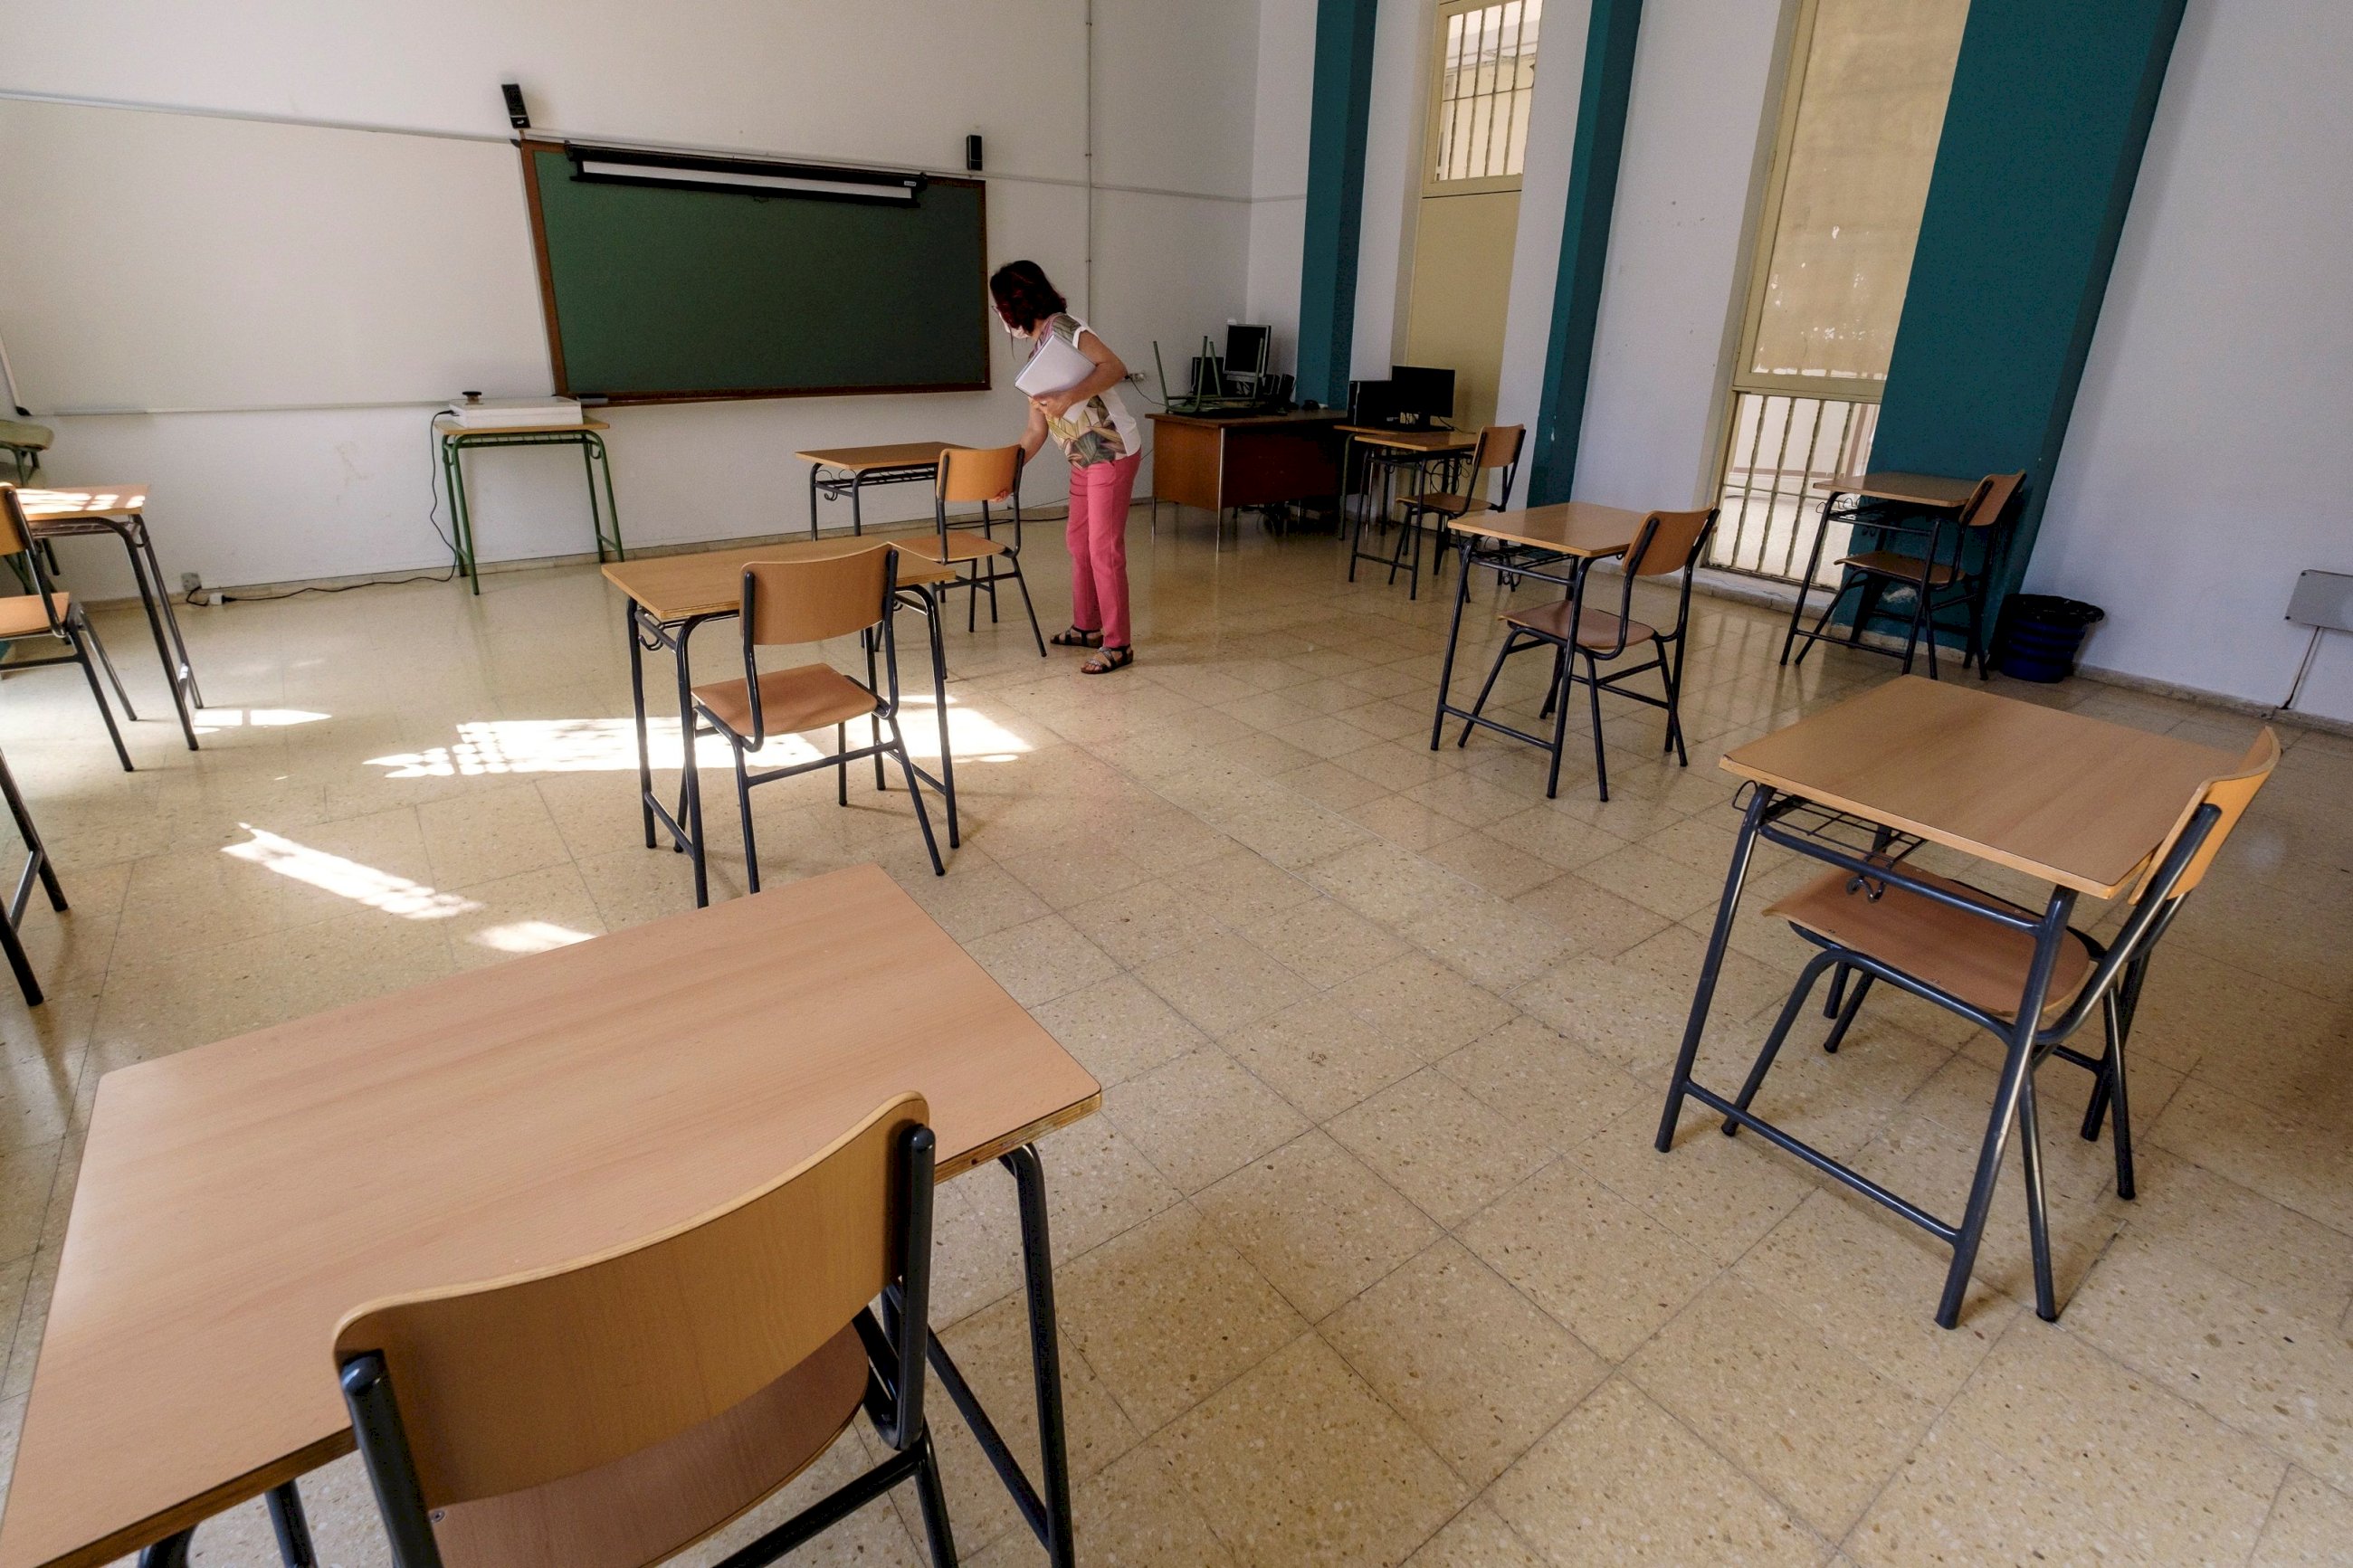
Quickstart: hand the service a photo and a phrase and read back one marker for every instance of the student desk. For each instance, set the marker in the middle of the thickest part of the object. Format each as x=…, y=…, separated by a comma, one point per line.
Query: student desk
x=237, y=1200
x=120, y=511
x=1578, y=532
x=1394, y=448
x=1900, y=492
x=669, y=595
x=2077, y=803
x=588, y=435
x=1217, y=461
x=846, y=470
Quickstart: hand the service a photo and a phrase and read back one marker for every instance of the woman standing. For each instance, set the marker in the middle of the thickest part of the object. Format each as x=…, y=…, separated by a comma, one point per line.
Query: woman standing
x=1099, y=436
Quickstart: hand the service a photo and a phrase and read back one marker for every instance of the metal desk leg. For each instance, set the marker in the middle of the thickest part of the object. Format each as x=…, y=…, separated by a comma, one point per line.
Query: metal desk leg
x=690, y=780
x=1045, y=1354
x=1453, y=636
x=1718, y=939
x=593, y=445
x=2011, y=1089
x=293, y=1530
x=812, y=501
x=638, y=706
x=147, y=596
x=172, y=1552
x=453, y=473
x=940, y=706
x=187, y=667
x=856, y=517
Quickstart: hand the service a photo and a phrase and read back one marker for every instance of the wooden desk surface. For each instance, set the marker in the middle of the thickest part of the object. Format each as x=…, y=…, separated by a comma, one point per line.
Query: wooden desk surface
x=1413, y=440
x=1572, y=528
x=1919, y=490
x=445, y=427
x=2064, y=798
x=711, y=582
x=83, y=502
x=1309, y=417
x=861, y=459
x=238, y=1199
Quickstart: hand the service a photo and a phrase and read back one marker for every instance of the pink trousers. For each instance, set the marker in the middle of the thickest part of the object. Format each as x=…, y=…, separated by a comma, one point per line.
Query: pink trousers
x=1099, y=494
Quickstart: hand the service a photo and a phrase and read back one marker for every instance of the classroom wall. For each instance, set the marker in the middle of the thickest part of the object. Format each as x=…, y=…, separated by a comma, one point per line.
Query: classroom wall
x=2208, y=461
x=1544, y=208
x=245, y=495
x=1286, y=65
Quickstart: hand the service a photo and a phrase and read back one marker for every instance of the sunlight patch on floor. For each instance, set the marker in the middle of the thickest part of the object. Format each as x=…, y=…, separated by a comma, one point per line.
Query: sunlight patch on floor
x=366, y=885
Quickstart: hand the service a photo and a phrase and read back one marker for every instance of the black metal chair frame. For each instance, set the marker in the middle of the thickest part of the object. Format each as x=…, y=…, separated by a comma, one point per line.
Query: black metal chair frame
x=73, y=629
x=35, y=867
x=1391, y=459
x=154, y=597
x=1870, y=584
x=1444, y=530
x=2112, y=986
x=972, y=580
x=886, y=713
x=898, y=1342
x=1565, y=678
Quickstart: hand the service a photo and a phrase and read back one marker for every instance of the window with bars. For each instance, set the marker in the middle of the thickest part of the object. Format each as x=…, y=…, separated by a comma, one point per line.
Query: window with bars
x=1486, y=77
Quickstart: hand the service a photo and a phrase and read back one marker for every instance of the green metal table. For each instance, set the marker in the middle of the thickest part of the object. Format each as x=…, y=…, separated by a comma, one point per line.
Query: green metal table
x=588, y=435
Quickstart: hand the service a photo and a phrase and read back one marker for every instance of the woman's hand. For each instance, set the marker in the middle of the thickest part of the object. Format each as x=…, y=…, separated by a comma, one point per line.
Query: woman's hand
x=1054, y=404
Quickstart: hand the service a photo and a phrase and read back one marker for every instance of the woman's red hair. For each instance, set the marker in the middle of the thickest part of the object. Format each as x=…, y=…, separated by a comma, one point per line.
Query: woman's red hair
x=1024, y=296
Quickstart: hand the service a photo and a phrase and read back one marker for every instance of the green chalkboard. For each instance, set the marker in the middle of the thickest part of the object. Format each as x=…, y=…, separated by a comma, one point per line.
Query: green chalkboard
x=655, y=293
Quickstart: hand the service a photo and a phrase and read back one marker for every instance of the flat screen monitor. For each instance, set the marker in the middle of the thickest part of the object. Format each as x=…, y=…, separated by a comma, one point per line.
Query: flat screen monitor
x=1246, y=348
x=1423, y=392
x=1371, y=403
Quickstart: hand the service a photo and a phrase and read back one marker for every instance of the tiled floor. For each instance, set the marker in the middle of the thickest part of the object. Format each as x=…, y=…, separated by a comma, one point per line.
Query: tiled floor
x=1369, y=1259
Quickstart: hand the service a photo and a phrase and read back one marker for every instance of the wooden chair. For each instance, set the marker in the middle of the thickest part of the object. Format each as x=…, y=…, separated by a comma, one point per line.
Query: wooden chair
x=1970, y=952
x=47, y=611
x=1669, y=542
x=980, y=474
x=807, y=601
x=1935, y=579
x=612, y=1412
x=1498, y=450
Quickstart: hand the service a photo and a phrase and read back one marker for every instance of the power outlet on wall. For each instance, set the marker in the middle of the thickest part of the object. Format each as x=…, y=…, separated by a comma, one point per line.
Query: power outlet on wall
x=190, y=582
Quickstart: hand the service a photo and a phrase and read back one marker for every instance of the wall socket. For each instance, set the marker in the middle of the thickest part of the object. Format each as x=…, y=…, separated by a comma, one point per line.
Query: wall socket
x=190, y=582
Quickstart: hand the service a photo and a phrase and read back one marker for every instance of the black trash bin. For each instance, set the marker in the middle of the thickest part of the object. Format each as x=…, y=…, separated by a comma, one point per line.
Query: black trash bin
x=2041, y=634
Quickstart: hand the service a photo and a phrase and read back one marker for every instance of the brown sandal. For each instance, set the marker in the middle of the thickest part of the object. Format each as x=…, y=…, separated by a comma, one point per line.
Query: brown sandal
x=1107, y=660
x=1077, y=637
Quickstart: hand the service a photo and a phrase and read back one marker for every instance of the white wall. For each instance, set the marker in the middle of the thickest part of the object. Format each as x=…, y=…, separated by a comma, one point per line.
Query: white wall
x=1393, y=127
x=1544, y=207
x=1286, y=83
x=246, y=495
x=2210, y=455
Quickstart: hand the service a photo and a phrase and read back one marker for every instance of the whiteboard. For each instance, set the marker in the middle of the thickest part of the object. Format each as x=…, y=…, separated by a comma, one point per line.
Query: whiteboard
x=152, y=262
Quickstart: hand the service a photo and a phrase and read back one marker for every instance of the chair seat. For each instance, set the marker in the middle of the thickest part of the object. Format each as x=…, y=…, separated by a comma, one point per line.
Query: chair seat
x=961, y=546
x=1595, y=628
x=21, y=614
x=1450, y=505
x=661, y=1499
x=1902, y=567
x=1982, y=964
x=808, y=697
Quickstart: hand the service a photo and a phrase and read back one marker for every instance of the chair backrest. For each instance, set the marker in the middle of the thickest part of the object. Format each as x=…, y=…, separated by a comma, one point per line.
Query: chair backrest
x=1669, y=542
x=1991, y=500
x=2229, y=794
x=975, y=473
x=515, y=1383
x=1499, y=446
x=16, y=533
x=810, y=600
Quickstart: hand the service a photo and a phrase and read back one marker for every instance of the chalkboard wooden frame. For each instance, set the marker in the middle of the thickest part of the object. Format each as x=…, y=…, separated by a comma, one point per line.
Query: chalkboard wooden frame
x=529, y=149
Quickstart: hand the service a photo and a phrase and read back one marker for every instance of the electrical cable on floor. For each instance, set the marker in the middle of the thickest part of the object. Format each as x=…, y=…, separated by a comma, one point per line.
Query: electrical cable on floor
x=432, y=520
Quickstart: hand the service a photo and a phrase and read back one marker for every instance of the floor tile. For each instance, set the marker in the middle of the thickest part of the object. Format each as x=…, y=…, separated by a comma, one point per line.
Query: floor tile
x=1201, y=1116
x=1317, y=1223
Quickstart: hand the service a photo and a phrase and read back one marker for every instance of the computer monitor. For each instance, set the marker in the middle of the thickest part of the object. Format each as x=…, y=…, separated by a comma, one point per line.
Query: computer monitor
x=1371, y=403
x=1423, y=392
x=1246, y=348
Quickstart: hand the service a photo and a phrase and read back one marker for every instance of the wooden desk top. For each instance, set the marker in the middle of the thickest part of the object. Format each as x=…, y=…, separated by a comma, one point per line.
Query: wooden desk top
x=86, y=501
x=1919, y=490
x=443, y=426
x=1413, y=440
x=711, y=582
x=2064, y=798
x=1572, y=528
x=1319, y=416
x=862, y=460
x=238, y=1199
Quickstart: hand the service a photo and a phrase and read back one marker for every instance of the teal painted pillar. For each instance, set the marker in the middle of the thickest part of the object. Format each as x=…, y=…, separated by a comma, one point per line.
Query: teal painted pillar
x=2051, y=108
x=1335, y=197
x=1583, y=246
